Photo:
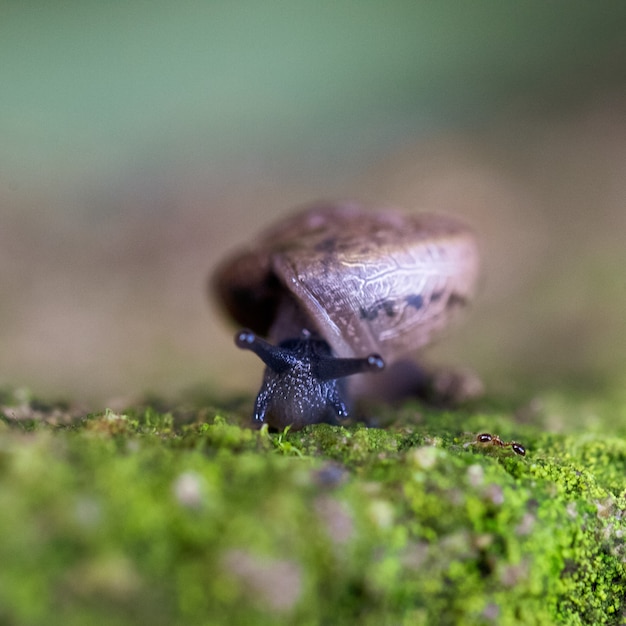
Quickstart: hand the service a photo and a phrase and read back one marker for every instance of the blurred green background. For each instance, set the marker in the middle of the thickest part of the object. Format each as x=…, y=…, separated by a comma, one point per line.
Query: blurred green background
x=141, y=141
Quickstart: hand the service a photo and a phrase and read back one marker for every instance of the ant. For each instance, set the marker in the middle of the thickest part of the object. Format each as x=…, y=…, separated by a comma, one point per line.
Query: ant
x=494, y=440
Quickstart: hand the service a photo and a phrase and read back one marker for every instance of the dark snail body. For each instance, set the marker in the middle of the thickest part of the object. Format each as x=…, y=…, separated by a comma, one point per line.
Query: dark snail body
x=303, y=380
x=358, y=282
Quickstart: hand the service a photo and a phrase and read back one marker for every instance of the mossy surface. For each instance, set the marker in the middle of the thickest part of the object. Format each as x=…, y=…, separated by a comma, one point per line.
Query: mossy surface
x=185, y=516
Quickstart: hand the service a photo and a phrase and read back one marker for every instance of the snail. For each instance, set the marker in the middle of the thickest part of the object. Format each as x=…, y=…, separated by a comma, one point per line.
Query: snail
x=339, y=290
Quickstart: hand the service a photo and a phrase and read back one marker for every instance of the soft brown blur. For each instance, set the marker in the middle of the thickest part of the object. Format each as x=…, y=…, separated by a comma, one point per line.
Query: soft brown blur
x=104, y=281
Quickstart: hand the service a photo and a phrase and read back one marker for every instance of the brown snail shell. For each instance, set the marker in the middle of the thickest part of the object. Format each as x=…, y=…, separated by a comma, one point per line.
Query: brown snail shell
x=365, y=281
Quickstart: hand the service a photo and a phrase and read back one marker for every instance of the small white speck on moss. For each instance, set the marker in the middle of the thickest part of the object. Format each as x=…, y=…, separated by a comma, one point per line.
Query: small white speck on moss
x=87, y=512
x=475, y=475
x=188, y=490
x=273, y=583
x=526, y=525
x=423, y=457
x=336, y=518
x=381, y=513
x=495, y=493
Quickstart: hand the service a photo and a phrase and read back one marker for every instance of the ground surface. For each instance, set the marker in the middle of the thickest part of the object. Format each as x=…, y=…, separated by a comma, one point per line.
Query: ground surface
x=168, y=515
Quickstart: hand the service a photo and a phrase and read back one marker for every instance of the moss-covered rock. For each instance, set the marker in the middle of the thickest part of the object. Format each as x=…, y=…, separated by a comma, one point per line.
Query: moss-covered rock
x=187, y=517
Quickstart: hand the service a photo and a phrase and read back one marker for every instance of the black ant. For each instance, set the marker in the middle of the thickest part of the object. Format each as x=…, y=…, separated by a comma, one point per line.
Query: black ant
x=494, y=440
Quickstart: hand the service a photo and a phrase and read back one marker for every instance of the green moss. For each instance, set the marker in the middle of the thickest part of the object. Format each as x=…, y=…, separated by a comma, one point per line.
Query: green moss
x=184, y=516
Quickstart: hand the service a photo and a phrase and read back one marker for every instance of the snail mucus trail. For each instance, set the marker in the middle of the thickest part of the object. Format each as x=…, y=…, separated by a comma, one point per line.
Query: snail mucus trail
x=340, y=290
